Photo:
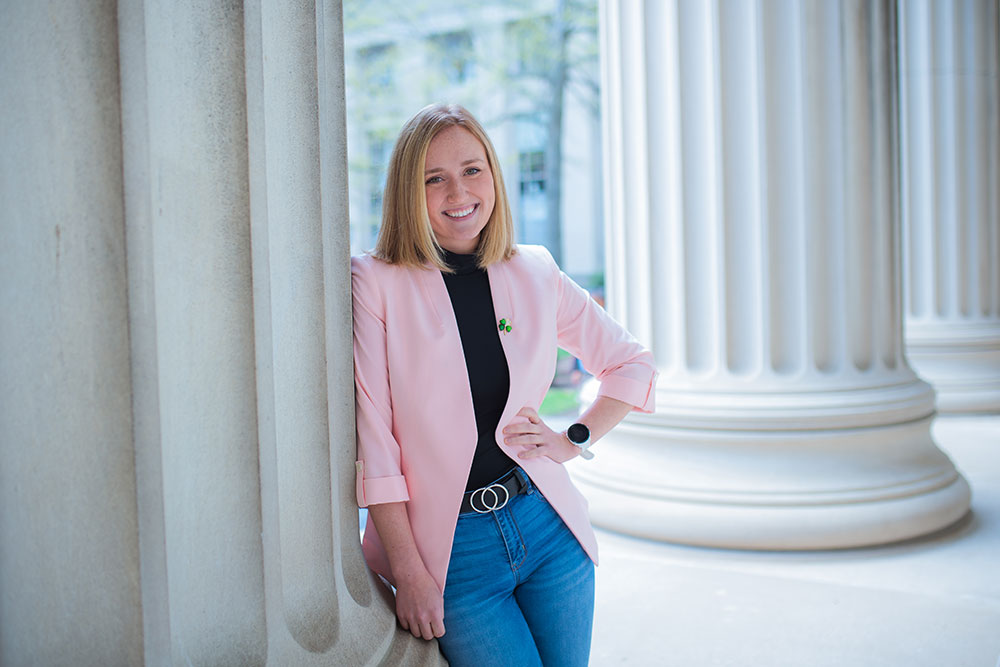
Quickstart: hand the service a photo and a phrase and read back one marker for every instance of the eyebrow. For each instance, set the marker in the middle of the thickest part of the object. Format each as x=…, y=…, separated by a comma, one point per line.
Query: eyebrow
x=466, y=163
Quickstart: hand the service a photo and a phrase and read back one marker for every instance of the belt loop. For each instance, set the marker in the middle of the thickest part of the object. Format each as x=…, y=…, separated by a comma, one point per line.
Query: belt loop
x=525, y=480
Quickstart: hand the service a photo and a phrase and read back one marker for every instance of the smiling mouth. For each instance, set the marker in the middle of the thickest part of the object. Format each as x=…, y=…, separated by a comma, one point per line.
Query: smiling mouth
x=462, y=212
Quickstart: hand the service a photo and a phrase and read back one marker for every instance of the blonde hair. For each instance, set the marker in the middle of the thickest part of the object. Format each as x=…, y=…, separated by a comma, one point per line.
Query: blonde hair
x=406, y=236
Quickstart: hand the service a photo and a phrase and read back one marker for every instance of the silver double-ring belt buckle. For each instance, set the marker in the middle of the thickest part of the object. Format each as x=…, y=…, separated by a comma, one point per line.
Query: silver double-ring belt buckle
x=491, y=504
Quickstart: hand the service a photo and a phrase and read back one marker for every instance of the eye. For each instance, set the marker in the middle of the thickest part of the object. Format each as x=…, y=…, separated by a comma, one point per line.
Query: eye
x=432, y=180
x=472, y=171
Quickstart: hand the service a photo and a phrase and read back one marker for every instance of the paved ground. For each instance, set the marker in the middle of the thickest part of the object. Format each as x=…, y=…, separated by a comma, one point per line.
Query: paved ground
x=932, y=602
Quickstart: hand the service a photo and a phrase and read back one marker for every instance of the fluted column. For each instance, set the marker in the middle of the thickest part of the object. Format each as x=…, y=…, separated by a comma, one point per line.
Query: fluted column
x=323, y=606
x=949, y=83
x=187, y=206
x=177, y=437
x=236, y=203
x=754, y=244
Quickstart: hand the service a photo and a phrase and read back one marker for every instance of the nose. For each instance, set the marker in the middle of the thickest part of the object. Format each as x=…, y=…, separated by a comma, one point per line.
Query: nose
x=455, y=189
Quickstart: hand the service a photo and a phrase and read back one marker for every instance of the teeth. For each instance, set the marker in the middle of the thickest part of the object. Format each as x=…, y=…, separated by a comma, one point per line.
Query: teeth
x=461, y=213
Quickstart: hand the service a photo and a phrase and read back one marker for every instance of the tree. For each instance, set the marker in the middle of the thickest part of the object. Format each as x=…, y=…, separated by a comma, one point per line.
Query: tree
x=560, y=53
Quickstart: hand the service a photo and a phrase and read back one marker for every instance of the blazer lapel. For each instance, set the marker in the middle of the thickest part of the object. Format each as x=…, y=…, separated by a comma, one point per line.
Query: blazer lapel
x=503, y=307
x=436, y=294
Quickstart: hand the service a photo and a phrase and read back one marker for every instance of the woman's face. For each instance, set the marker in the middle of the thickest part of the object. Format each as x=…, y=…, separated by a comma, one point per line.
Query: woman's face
x=459, y=188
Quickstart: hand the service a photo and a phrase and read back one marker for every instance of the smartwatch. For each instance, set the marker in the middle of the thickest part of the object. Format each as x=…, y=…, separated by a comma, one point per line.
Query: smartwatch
x=579, y=435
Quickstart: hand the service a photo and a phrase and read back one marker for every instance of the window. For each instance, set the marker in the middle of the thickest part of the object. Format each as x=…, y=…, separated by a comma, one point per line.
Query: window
x=379, y=149
x=455, y=55
x=529, y=43
x=377, y=63
x=532, y=172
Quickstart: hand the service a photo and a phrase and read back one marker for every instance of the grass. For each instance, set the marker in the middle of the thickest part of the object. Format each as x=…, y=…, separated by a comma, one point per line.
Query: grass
x=559, y=401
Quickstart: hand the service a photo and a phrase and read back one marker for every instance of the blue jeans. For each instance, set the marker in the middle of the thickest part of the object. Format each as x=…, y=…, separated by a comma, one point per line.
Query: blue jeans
x=520, y=589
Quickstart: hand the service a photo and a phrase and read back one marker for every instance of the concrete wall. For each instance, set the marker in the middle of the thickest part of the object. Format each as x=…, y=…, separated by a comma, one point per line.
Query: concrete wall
x=176, y=406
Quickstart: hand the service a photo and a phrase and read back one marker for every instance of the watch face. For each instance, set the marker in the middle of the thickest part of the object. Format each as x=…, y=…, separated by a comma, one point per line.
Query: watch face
x=578, y=433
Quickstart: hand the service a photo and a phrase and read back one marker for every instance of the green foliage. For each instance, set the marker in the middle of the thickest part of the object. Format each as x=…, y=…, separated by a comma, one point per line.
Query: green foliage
x=560, y=401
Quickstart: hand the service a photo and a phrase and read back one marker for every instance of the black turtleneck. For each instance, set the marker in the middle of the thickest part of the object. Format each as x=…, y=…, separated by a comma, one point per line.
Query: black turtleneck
x=489, y=377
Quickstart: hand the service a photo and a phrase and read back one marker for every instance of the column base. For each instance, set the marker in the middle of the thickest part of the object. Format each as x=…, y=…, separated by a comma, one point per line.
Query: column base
x=783, y=490
x=961, y=361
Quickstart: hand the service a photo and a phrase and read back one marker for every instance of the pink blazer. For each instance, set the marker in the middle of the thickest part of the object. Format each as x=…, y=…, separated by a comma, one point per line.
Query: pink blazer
x=416, y=426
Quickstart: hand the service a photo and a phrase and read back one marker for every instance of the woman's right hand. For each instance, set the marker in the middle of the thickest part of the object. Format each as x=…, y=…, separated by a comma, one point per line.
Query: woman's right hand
x=419, y=601
x=420, y=604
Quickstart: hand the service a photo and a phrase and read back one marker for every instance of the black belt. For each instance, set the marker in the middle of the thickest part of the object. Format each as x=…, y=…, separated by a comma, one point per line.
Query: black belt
x=496, y=495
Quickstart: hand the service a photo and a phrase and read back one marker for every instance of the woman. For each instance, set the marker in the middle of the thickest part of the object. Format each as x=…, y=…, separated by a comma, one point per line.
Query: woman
x=472, y=516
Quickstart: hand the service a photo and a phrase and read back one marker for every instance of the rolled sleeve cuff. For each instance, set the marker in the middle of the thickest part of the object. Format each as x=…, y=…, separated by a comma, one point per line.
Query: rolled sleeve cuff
x=378, y=490
x=637, y=393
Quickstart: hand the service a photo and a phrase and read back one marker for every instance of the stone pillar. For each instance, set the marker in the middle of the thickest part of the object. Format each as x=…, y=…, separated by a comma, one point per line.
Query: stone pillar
x=949, y=83
x=69, y=552
x=191, y=314
x=177, y=435
x=752, y=203
x=241, y=319
x=323, y=606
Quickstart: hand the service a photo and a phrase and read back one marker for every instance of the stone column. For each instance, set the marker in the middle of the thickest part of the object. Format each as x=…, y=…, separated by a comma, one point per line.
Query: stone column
x=69, y=552
x=323, y=606
x=752, y=202
x=949, y=84
x=177, y=435
x=236, y=201
x=191, y=314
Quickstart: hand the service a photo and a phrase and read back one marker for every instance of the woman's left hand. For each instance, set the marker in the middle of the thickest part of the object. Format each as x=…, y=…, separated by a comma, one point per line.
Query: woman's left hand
x=536, y=439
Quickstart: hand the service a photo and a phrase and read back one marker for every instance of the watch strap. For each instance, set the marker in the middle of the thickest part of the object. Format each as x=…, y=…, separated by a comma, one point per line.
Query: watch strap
x=582, y=440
